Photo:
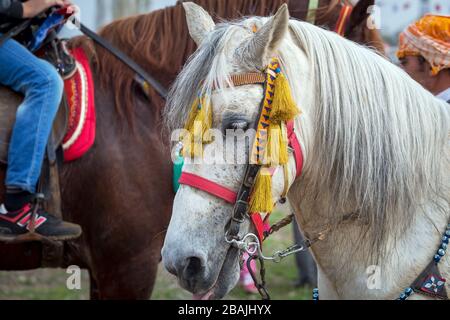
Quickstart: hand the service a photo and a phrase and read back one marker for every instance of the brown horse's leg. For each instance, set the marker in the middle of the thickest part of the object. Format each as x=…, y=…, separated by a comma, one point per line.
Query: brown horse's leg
x=94, y=293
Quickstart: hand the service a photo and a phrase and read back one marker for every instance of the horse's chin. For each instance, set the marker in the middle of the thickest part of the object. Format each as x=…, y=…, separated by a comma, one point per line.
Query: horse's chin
x=226, y=280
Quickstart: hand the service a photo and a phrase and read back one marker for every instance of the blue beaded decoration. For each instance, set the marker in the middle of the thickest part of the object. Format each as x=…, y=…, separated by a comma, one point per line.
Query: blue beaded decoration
x=316, y=294
x=437, y=258
x=406, y=294
x=445, y=239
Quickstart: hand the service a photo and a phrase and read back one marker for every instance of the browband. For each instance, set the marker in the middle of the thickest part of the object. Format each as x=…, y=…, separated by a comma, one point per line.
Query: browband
x=244, y=79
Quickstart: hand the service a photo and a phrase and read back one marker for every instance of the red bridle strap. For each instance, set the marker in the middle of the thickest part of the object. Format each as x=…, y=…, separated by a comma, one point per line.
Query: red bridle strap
x=258, y=223
x=295, y=145
x=220, y=192
x=208, y=186
x=343, y=18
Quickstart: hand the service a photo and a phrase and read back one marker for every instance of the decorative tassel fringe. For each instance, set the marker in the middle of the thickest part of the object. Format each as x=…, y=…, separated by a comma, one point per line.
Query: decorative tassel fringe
x=261, y=199
x=198, y=124
x=283, y=143
x=277, y=146
x=192, y=114
x=283, y=105
x=282, y=109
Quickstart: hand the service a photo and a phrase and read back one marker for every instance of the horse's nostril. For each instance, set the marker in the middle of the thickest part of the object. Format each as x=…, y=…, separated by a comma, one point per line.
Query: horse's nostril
x=193, y=267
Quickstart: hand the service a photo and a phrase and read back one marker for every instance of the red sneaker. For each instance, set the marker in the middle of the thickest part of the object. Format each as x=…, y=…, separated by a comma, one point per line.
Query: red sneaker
x=14, y=224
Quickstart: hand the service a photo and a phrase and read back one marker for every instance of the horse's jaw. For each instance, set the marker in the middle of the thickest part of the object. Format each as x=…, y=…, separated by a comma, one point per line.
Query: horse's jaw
x=227, y=279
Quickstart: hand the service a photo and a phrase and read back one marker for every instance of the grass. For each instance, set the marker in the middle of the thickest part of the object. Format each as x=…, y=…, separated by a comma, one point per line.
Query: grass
x=51, y=284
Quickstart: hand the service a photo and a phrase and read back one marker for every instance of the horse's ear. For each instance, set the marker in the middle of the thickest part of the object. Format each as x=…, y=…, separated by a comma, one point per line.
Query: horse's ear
x=199, y=21
x=265, y=42
x=360, y=13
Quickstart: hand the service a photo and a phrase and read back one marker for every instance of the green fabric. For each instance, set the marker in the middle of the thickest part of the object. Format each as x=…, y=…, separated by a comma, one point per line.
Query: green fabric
x=177, y=170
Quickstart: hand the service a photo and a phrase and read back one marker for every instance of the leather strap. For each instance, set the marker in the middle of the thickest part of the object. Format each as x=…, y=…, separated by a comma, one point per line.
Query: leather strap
x=208, y=186
x=259, y=226
x=248, y=78
x=295, y=145
x=142, y=74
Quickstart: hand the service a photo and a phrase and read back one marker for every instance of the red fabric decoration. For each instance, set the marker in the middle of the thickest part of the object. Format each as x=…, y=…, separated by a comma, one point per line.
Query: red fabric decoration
x=82, y=118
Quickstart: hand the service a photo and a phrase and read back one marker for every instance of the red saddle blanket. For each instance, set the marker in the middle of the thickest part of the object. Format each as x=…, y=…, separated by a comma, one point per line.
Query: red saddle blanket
x=79, y=90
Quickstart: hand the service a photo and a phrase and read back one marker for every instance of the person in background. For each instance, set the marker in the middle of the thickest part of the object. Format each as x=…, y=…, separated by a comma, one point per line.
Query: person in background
x=424, y=53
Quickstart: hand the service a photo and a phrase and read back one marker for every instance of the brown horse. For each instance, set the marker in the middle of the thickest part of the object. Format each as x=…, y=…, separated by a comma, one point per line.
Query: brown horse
x=121, y=191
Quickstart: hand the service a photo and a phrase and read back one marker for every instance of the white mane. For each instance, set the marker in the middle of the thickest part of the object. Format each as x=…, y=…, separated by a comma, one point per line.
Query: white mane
x=379, y=137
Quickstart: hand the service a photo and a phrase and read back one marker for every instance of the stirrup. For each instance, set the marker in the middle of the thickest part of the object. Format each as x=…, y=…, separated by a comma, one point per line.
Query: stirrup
x=24, y=238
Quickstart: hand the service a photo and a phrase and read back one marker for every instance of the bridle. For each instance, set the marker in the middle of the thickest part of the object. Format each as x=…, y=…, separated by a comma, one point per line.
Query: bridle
x=240, y=199
x=251, y=243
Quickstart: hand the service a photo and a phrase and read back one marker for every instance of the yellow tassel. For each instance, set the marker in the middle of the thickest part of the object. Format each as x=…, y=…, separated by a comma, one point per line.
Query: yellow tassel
x=192, y=115
x=261, y=199
x=198, y=124
x=277, y=146
x=272, y=154
x=284, y=141
x=283, y=105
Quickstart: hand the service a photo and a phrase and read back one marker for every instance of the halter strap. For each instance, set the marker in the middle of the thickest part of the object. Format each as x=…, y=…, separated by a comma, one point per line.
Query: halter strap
x=240, y=198
x=244, y=79
x=343, y=19
x=230, y=196
x=208, y=186
x=295, y=145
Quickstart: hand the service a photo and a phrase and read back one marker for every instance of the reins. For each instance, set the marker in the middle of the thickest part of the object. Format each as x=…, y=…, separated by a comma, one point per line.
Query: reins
x=143, y=78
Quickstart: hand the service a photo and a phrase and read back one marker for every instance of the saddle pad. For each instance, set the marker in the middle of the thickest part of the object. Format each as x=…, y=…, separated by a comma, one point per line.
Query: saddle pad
x=80, y=96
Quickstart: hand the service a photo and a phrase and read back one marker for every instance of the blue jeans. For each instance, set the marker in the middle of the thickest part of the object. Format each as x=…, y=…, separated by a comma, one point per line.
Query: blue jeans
x=42, y=88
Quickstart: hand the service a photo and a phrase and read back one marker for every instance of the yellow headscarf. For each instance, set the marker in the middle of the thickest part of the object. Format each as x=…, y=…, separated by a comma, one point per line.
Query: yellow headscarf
x=430, y=38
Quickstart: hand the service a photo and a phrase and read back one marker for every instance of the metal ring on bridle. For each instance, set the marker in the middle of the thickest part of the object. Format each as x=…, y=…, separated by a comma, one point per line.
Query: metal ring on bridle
x=251, y=244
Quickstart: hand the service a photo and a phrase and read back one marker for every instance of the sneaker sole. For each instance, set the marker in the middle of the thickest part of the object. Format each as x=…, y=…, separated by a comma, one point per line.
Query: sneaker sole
x=36, y=237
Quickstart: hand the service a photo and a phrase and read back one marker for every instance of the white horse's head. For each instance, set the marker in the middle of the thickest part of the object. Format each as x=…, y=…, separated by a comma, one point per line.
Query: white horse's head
x=195, y=249
x=365, y=153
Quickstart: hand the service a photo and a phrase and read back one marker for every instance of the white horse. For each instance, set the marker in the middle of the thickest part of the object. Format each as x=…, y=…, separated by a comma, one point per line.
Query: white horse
x=375, y=146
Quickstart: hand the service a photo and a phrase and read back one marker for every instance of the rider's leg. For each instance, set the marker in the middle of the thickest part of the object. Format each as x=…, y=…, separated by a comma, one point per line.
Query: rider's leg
x=42, y=88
